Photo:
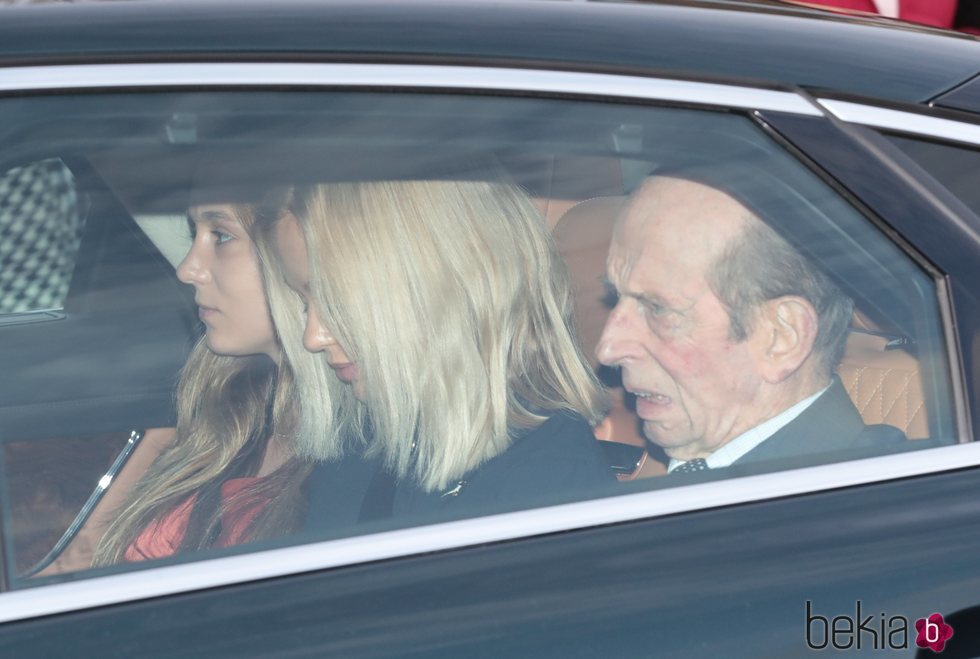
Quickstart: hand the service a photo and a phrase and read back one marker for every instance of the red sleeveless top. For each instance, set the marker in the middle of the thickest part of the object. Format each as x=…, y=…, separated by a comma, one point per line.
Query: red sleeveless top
x=162, y=537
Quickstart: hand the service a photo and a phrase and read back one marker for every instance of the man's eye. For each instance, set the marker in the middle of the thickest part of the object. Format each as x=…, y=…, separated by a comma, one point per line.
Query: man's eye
x=610, y=296
x=654, y=309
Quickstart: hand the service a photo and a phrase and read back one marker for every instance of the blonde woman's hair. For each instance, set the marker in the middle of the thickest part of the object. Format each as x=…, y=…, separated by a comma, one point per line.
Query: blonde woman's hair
x=322, y=431
x=453, y=302
x=228, y=411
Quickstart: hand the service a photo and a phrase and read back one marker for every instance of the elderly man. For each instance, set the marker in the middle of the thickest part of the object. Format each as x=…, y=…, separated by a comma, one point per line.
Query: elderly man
x=726, y=334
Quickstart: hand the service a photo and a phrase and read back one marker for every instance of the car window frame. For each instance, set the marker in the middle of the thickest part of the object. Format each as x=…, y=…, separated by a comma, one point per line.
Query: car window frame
x=105, y=590
x=862, y=122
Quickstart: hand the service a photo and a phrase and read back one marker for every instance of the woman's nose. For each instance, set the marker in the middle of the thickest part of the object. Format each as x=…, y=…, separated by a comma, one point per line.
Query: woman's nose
x=316, y=337
x=193, y=270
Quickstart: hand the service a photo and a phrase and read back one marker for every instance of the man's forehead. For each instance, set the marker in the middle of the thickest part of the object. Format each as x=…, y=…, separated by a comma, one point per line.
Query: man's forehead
x=666, y=210
x=672, y=225
x=662, y=199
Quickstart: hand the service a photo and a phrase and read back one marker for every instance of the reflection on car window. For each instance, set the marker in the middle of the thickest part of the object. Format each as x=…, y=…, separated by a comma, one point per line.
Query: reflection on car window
x=40, y=229
x=360, y=311
x=48, y=483
x=953, y=166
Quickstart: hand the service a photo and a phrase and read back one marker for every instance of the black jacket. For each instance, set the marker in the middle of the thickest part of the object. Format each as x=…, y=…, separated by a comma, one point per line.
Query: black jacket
x=830, y=426
x=556, y=462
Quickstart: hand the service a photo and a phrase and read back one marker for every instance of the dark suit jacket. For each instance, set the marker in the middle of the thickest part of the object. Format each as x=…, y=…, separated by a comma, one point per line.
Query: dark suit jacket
x=830, y=428
x=336, y=491
x=558, y=461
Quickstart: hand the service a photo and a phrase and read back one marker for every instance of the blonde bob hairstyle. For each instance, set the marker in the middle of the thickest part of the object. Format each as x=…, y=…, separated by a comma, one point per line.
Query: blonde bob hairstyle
x=453, y=302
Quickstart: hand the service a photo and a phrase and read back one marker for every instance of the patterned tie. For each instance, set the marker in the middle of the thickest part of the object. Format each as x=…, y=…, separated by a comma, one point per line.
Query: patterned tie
x=697, y=464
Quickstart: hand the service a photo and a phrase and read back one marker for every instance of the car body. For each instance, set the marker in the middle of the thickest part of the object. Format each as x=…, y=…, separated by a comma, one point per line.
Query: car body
x=877, y=120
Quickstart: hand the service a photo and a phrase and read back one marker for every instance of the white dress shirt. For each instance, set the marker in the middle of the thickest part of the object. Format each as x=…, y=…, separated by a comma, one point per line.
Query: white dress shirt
x=751, y=438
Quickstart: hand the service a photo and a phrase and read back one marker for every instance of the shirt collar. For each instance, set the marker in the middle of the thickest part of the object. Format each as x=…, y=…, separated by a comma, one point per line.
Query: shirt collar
x=751, y=438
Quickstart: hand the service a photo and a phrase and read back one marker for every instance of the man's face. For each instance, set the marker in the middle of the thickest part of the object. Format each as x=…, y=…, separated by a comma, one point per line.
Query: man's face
x=696, y=388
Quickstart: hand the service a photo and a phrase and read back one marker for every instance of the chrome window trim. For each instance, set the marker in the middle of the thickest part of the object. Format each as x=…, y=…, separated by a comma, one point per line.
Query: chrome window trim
x=401, y=76
x=201, y=575
x=903, y=122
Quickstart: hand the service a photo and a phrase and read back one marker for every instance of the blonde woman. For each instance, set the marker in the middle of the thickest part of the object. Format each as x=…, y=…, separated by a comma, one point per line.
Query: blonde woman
x=444, y=313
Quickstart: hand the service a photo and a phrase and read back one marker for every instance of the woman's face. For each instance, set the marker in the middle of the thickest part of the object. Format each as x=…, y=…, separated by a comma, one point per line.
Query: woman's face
x=223, y=269
x=291, y=247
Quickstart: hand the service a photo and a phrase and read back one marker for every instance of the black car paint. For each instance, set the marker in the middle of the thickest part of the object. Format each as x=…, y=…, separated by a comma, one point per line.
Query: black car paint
x=712, y=40
x=965, y=97
x=729, y=582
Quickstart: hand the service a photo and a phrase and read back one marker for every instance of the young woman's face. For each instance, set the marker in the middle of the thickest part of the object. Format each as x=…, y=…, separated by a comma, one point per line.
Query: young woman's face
x=317, y=338
x=223, y=269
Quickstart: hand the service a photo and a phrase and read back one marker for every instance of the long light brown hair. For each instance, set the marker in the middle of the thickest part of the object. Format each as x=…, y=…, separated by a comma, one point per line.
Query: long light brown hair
x=229, y=410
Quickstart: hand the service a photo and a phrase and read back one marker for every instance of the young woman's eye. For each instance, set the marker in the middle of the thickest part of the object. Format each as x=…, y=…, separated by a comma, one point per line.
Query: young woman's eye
x=221, y=236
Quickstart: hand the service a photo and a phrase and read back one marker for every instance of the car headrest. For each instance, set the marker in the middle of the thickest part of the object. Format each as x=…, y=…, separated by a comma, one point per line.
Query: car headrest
x=583, y=235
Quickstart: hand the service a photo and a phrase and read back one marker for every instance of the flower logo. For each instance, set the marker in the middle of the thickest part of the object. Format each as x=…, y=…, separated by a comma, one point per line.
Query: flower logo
x=933, y=632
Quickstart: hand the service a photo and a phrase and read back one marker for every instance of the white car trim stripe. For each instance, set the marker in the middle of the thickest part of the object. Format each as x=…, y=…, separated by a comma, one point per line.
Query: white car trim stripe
x=236, y=74
x=170, y=580
x=904, y=122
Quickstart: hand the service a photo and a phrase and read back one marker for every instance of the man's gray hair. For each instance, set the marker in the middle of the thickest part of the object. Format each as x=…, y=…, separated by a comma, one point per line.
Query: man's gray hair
x=759, y=265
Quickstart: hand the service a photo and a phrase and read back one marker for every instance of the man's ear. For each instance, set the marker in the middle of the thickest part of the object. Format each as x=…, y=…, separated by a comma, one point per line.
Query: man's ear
x=786, y=328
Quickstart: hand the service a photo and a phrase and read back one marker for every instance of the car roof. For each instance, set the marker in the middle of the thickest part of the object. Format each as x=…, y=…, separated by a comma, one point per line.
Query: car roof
x=759, y=42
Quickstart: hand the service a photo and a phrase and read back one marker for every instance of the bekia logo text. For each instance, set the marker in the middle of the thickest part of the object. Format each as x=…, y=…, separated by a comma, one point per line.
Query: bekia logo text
x=873, y=631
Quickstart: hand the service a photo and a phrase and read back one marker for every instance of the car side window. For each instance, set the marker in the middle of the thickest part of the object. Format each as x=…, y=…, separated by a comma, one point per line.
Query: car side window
x=951, y=165
x=954, y=166
x=41, y=222
x=358, y=311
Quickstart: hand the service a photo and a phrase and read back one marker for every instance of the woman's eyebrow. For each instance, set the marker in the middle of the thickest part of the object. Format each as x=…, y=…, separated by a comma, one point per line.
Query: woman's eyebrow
x=215, y=216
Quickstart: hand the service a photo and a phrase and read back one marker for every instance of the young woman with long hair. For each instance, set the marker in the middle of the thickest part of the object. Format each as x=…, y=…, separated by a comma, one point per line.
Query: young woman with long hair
x=229, y=473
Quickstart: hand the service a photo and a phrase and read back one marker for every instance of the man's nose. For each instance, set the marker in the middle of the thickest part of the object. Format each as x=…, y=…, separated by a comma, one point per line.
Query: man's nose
x=193, y=269
x=613, y=345
x=316, y=337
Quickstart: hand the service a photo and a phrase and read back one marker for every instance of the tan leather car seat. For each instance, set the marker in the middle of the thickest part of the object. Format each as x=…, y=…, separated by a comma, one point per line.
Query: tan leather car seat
x=884, y=383
x=583, y=234
x=559, y=182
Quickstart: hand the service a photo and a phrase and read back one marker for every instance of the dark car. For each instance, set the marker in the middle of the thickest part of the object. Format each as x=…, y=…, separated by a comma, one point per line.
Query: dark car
x=862, y=134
